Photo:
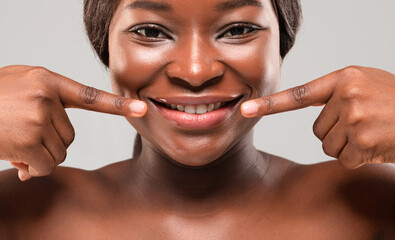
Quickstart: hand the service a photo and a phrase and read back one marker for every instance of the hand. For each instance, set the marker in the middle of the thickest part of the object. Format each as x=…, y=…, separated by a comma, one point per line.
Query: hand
x=35, y=130
x=357, y=124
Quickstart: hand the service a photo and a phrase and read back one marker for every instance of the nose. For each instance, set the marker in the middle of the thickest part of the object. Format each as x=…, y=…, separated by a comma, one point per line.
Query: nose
x=195, y=63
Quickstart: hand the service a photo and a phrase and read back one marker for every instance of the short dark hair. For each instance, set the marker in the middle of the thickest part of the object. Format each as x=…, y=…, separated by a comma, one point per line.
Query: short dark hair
x=98, y=15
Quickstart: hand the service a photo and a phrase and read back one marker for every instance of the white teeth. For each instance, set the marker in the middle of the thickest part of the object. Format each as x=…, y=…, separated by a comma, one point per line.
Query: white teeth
x=190, y=109
x=200, y=109
x=196, y=109
x=180, y=108
x=210, y=107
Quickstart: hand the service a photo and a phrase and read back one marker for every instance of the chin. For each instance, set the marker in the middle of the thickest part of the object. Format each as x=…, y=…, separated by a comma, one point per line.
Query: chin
x=195, y=151
x=193, y=159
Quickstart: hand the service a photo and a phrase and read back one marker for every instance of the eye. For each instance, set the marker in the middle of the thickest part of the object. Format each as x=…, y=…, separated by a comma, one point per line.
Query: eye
x=149, y=32
x=239, y=30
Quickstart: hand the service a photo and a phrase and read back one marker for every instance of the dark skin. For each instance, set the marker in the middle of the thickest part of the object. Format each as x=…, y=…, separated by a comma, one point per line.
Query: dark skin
x=198, y=184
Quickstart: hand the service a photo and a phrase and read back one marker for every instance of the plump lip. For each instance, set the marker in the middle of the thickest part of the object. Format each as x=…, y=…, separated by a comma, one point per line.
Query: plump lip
x=186, y=100
x=196, y=121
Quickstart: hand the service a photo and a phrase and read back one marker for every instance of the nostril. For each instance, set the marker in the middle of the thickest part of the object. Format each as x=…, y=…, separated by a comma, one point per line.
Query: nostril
x=195, y=75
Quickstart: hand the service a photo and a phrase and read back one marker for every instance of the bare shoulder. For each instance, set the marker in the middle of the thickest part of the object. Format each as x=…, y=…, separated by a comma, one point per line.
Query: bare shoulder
x=68, y=197
x=36, y=198
x=327, y=194
x=367, y=193
x=37, y=195
x=376, y=180
x=330, y=177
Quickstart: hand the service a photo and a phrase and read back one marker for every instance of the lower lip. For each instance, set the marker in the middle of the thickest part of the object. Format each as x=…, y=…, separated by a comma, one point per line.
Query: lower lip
x=196, y=121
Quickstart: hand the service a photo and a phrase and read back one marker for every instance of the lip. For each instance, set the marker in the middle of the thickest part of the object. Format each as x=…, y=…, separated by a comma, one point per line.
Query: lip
x=195, y=100
x=194, y=121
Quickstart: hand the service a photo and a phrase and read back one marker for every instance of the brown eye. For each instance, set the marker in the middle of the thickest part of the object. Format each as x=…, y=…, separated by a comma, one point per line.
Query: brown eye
x=151, y=33
x=239, y=30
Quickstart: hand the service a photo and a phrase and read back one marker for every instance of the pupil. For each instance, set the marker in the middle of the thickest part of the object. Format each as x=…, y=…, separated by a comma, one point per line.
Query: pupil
x=151, y=32
x=237, y=31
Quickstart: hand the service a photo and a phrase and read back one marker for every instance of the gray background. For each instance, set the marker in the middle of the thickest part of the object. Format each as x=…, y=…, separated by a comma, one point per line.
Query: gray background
x=334, y=34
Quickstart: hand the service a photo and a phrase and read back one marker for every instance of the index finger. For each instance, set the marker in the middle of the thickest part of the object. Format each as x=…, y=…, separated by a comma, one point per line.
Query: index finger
x=316, y=92
x=76, y=95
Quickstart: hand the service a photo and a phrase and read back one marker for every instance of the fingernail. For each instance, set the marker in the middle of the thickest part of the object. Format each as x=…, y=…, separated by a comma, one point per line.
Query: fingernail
x=137, y=107
x=250, y=108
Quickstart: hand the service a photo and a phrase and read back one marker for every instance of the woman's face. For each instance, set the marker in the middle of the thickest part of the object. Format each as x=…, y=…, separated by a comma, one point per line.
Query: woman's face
x=194, y=62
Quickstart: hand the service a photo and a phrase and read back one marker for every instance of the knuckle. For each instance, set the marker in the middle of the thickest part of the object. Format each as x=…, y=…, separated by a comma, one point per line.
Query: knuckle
x=120, y=103
x=39, y=118
x=317, y=130
x=89, y=95
x=70, y=136
x=42, y=96
x=39, y=72
x=62, y=156
x=300, y=94
x=354, y=115
x=351, y=92
x=363, y=141
x=351, y=71
x=326, y=148
x=267, y=103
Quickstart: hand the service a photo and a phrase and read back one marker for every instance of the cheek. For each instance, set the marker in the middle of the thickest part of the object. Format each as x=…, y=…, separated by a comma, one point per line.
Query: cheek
x=258, y=64
x=134, y=67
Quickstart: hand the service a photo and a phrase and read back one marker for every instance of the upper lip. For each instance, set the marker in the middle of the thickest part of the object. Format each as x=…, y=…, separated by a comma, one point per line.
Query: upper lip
x=195, y=100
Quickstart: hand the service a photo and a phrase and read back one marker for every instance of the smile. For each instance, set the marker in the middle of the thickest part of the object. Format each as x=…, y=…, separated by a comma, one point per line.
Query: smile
x=195, y=109
x=195, y=114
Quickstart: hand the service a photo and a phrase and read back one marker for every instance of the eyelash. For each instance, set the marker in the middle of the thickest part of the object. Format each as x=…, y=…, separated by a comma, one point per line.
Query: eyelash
x=141, y=31
x=251, y=28
x=137, y=30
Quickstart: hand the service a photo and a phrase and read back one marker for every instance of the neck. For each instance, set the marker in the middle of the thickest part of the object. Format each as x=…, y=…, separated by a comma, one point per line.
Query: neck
x=238, y=170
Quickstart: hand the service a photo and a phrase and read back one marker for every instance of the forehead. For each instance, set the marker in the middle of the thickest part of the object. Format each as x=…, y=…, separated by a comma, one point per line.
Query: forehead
x=192, y=8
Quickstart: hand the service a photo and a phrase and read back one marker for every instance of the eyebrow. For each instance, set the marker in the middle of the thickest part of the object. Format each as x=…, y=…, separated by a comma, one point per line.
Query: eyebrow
x=232, y=4
x=149, y=5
